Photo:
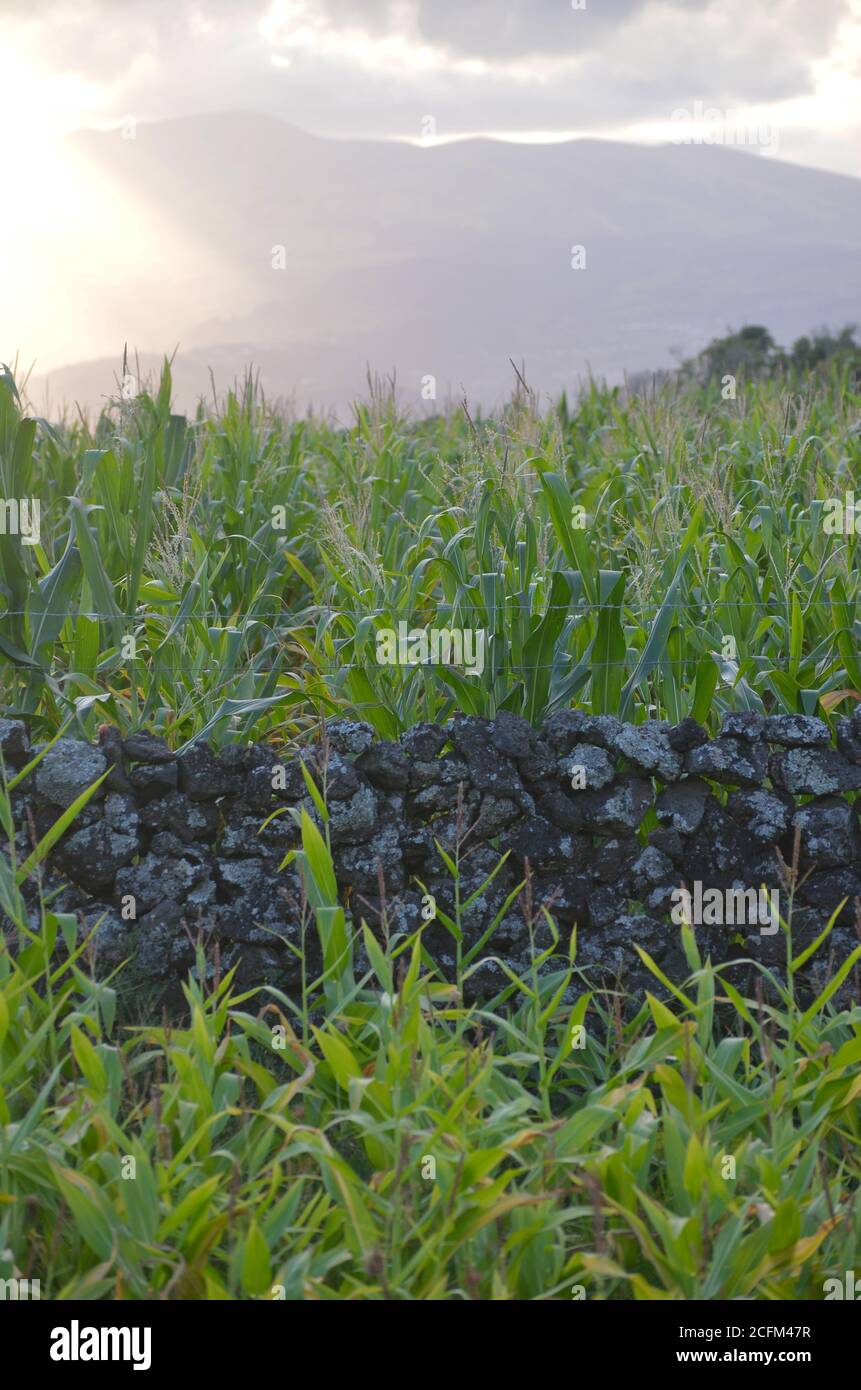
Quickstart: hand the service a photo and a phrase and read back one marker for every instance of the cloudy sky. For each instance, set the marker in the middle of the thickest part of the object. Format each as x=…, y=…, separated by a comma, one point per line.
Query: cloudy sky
x=780, y=78
x=528, y=68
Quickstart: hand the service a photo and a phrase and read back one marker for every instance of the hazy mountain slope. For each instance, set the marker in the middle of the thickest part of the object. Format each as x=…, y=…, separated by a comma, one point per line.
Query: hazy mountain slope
x=452, y=259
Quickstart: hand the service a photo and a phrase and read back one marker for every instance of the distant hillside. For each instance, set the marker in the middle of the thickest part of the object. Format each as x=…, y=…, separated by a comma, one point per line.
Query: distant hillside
x=447, y=261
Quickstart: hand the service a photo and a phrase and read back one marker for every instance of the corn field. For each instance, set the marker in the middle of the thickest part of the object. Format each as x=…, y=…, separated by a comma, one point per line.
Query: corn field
x=653, y=555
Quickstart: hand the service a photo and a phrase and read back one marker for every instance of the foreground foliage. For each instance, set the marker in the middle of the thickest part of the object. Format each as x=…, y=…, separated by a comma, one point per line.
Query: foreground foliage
x=379, y=1137
x=379, y=1140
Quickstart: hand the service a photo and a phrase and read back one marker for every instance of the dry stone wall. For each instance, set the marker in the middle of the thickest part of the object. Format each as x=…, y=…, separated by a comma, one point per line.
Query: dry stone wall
x=610, y=819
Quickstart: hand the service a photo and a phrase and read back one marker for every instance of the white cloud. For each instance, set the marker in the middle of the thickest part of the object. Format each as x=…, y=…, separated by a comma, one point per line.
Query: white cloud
x=377, y=67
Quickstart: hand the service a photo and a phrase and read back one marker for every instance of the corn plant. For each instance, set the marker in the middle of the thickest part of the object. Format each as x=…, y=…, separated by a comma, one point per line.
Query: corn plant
x=662, y=555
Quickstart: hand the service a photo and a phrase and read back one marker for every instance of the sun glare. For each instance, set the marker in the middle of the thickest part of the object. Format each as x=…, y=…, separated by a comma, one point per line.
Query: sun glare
x=44, y=194
x=83, y=265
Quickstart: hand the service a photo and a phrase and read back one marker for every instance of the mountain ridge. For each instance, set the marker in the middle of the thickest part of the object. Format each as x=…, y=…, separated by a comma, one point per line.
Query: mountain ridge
x=446, y=260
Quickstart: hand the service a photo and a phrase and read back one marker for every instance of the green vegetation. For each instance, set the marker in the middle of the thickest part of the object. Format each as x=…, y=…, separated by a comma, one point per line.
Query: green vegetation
x=697, y=577
x=649, y=554
x=753, y=353
x=378, y=1140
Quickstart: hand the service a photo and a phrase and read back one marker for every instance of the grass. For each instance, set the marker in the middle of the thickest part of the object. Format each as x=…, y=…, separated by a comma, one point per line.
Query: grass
x=228, y=574
x=376, y=1137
